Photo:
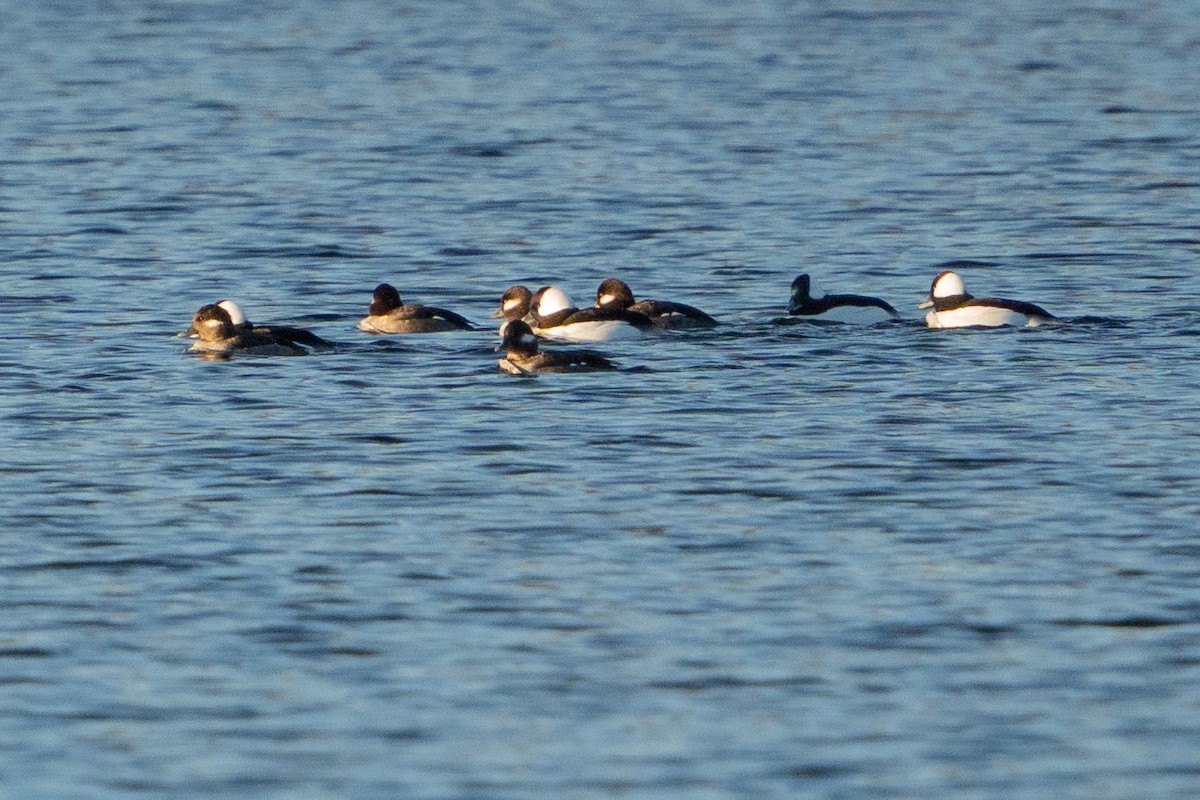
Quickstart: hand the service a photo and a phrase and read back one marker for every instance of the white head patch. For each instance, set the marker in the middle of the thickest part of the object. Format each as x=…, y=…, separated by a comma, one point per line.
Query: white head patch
x=553, y=299
x=234, y=311
x=949, y=285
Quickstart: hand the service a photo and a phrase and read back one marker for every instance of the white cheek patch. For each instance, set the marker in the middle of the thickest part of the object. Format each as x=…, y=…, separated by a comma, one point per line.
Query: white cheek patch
x=605, y=299
x=210, y=329
x=510, y=304
x=528, y=340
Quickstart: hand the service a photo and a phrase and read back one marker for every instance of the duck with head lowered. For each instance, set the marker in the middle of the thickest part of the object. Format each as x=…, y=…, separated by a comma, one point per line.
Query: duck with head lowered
x=811, y=304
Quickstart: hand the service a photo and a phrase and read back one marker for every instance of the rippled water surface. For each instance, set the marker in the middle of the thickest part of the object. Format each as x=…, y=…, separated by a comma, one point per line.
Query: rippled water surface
x=767, y=560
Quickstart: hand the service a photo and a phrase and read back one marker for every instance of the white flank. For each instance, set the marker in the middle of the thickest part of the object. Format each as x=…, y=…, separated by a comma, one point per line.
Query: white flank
x=855, y=315
x=975, y=316
x=597, y=331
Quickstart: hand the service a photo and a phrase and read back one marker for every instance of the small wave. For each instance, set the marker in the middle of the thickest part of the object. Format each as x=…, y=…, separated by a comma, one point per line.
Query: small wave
x=302, y=251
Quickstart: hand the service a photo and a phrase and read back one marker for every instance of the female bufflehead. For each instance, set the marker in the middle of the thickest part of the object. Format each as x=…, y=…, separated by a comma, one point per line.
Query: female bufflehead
x=952, y=307
x=515, y=303
x=522, y=357
x=220, y=335
x=615, y=293
x=388, y=314
x=555, y=317
x=284, y=333
x=854, y=308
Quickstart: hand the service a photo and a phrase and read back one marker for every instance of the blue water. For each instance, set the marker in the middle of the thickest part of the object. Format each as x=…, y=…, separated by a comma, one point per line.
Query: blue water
x=765, y=560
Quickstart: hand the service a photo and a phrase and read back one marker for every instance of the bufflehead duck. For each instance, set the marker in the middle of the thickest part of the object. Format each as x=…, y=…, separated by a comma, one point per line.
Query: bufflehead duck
x=285, y=333
x=615, y=293
x=220, y=335
x=952, y=307
x=855, y=308
x=515, y=303
x=388, y=314
x=522, y=357
x=555, y=317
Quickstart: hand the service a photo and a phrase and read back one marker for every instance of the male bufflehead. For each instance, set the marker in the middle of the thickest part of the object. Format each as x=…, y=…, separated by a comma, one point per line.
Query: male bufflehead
x=220, y=335
x=283, y=333
x=388, y=314
x=555, y=317
x=522, y=357
x=615, y=293
x=854, y=308
x=951, y=307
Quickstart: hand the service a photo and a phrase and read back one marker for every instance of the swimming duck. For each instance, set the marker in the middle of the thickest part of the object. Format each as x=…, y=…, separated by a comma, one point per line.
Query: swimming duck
x=283, y=333
x=555, y=317
x=952, y=307
x=389, y=314
x=220, y=335
x=522, y=356
x=810, y=303
x=515, y=303
x=615, y=293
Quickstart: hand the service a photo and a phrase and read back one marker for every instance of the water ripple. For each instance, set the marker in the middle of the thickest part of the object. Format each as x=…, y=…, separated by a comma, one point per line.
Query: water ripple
x=749, y=563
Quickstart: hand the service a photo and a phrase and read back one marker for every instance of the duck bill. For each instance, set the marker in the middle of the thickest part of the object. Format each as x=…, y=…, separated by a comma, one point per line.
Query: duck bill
x=927, y=304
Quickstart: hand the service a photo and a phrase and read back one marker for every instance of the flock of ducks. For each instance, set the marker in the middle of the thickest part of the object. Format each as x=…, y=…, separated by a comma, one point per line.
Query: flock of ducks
x=222, y=329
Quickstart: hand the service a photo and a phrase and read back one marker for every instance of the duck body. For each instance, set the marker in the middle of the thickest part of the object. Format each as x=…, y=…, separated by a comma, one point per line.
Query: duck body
x=284, y=335
x=553, y=316
x=523, y=357
x=614, y=293
x=952, y=307
x=810, y=304
x=219, y=335
x=389, y=314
